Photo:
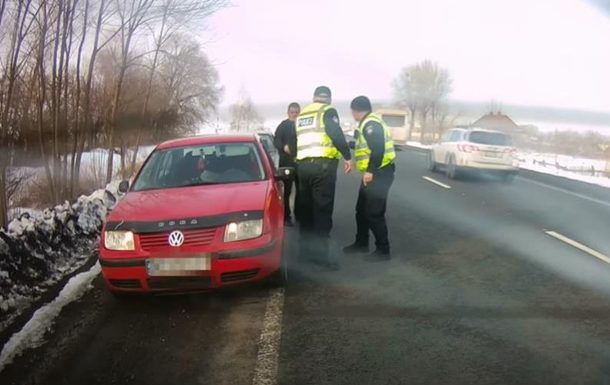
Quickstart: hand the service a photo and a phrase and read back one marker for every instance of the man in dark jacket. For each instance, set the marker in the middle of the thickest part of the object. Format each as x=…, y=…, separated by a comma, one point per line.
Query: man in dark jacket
x=286, y=143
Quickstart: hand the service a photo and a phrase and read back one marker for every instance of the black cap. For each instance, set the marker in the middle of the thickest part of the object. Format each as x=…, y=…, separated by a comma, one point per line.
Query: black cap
x=323, y=92
x=361, y=103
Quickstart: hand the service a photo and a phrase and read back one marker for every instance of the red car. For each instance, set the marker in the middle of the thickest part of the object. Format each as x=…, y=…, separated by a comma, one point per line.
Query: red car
x=202, y=213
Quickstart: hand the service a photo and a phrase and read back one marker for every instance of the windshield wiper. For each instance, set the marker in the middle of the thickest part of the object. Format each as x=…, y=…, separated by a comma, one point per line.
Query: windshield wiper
x=199, y=183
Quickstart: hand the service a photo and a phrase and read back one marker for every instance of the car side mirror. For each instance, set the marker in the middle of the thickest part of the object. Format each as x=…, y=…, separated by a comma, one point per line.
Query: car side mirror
x=124, y=186
x=284, y=173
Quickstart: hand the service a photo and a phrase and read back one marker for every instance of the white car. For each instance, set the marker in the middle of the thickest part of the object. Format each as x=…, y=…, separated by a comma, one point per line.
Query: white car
x=474, y=149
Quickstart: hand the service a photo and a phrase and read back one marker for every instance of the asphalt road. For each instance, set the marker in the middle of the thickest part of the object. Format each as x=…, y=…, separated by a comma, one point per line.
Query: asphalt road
x=478, y=292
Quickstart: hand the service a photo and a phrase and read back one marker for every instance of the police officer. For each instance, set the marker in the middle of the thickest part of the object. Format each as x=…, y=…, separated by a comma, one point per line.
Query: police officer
x=320, y=145
x=374, y=153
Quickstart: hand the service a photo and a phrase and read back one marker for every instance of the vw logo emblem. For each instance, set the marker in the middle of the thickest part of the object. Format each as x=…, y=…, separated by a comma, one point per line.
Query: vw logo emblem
x=176, y=239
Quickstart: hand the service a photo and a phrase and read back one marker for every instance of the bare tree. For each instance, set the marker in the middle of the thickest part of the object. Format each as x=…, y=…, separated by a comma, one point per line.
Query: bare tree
x=15, y=59
x=105, y=13
x=2, y=9
x=176, y=15
x=77, y=100
x=133, y=15
x=404, y=94
x=57, y=100
x=244, y=116
x=422, y=87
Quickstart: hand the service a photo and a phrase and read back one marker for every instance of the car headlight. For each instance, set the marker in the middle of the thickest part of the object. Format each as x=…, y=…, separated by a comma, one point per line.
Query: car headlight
x=239, y=231
x=119, y=240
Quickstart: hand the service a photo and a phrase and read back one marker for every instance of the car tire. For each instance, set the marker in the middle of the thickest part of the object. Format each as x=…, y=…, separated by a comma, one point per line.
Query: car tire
x=452, y=170
x=432, y=165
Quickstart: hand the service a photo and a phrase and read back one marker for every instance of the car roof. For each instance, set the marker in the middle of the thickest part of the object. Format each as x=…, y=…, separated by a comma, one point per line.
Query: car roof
x=208, y=139
x=473, y=129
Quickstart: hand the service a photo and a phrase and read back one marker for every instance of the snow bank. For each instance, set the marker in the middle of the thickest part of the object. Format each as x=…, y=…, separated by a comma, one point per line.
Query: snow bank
x=585, y=170
x=418, y=145
x=40, y=248
x=32, y=334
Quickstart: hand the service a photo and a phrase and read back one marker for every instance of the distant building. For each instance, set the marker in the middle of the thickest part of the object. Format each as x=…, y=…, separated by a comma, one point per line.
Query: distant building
x=497, y=121
x=523, y=136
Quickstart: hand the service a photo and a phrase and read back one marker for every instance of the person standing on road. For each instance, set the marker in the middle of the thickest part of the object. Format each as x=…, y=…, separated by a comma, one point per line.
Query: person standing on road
x=374, y=152
x=320, y=145
x=286, y=143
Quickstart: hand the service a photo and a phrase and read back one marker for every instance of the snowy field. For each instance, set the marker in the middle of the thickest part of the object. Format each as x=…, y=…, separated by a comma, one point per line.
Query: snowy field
x=593, y=171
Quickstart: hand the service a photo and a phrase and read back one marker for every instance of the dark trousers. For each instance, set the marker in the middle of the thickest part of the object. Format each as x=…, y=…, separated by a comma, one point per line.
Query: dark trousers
x=317, y=180
x=288, y=191
x=370, y=209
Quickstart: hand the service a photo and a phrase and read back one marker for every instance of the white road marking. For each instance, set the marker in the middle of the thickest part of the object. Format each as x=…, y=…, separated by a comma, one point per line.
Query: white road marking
x=579, y=246
x=32, y=334
x=268, y=356
x=559, y=189
x=436, y=182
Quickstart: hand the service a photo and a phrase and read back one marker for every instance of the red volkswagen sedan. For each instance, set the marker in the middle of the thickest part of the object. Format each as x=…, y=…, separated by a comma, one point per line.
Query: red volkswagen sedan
x=202, y=213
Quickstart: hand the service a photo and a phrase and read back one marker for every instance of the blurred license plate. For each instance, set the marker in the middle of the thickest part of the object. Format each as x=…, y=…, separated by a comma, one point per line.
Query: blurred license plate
x=490, y=154
x=177, y=266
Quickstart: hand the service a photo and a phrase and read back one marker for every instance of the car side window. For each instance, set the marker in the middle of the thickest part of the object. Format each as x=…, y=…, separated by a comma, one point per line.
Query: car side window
x=446, y=136
x=456, y=136
x=267, y=143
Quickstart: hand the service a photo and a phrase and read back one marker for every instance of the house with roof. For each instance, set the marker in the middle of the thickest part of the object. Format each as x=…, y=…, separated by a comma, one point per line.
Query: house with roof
x=498, y=122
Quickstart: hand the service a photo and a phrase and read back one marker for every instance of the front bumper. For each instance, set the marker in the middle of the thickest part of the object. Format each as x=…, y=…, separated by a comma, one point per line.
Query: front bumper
x=250, y=261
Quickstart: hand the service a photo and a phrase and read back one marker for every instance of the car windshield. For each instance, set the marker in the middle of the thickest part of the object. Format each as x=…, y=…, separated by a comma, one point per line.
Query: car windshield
x=491, y=138
x=201, y=165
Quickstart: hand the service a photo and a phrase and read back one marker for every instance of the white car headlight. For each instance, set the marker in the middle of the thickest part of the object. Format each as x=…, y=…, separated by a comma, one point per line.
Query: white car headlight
x=239, y=231
x=119, y=240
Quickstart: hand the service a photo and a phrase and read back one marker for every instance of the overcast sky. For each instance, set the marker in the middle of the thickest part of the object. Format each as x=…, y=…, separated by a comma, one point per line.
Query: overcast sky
x=531, y=52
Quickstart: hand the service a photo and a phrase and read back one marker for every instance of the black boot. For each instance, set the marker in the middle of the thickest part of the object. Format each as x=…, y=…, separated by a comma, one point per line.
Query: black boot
x=378, y=256
x=355, y=248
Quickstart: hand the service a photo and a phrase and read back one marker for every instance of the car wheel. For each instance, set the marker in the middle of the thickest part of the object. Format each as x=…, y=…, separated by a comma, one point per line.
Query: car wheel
x=452, y=171
x=432, y=165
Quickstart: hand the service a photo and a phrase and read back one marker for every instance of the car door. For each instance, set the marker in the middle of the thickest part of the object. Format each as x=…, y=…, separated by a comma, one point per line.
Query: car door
x=451, y=148
x=440, y=151
x=269, y=146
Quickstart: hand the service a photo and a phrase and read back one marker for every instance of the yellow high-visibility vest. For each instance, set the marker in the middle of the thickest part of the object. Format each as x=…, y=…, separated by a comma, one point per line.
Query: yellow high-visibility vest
x=363, y=152
x=312, y=140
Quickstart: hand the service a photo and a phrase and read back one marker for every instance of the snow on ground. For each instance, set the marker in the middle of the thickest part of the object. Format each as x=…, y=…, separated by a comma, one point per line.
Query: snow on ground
x=418, y=145
x=591, y=171
x=32, y=334
x=41, y=248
